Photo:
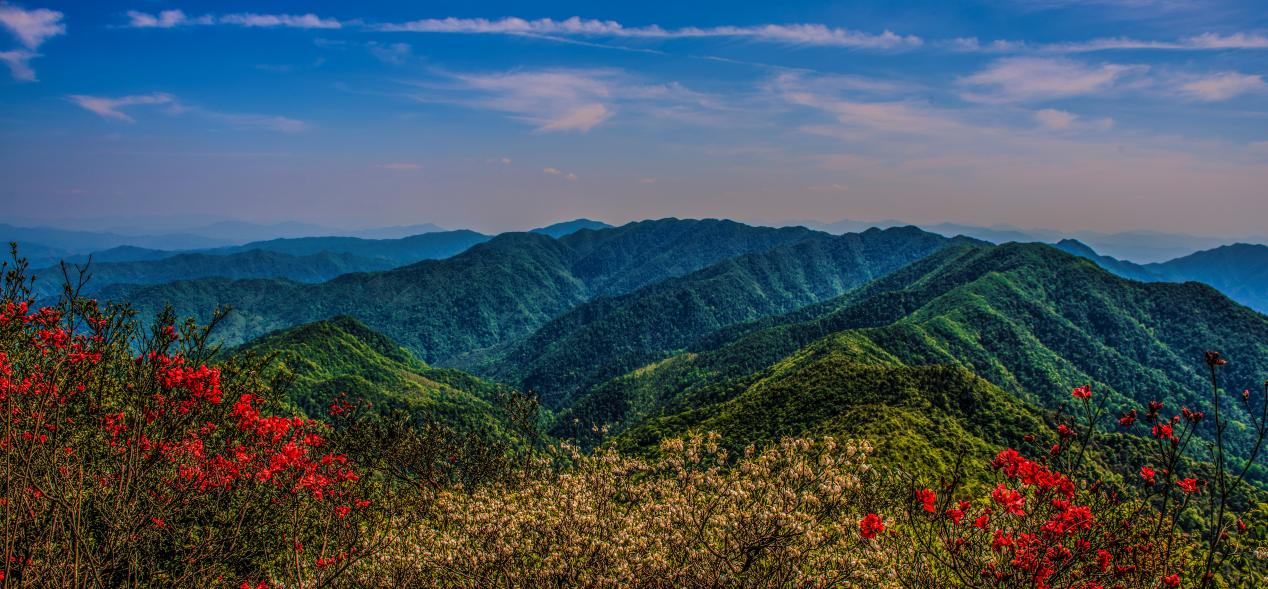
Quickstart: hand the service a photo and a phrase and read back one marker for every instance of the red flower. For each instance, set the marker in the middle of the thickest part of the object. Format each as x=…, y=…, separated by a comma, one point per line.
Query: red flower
x=927, y=499
x=981, y=521
x=1001, y=540
x=1172, y=581
x=1104, y=558
x=1212, y=359
x=1012, y=501
x=1148, y=474
x=870, y=526
x=1083, y=392
x=1128, y=418
x=1188, y=485
x=1163, y=431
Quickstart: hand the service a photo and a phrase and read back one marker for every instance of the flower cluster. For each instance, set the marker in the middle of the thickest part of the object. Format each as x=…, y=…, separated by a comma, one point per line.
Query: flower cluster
x=136, y=464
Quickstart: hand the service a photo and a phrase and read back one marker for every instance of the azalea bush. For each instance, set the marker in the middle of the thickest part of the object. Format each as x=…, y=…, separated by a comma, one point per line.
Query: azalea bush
x=127, y=460
x=1037, y=527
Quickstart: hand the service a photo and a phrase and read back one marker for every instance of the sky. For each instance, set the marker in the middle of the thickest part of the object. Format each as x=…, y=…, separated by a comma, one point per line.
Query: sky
x=1101, y=115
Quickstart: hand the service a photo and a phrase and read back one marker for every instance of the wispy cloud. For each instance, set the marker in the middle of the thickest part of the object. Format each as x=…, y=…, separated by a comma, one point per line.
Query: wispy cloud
x=907, y=117
x=1202, y=42
x=31, y=28
x=19, y=63
x=1060, y=120
x=793, y=34
x=1221, y=86
x=113, y=108
x=1055, y=119
x=110, y=108
x=569, y=176
x=393, y=53
x=176, y=18
x=566, y=100
x=1031, y=79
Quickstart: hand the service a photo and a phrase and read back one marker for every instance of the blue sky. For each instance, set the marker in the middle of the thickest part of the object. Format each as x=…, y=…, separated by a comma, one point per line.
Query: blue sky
x=1069, y=114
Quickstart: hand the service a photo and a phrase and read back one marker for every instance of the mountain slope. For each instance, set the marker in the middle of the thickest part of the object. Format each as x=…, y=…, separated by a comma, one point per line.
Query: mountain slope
x=920, y=417
x=1240, y=271
x=569, y=227
x=1028, y=318
x=343, y=356
x=489, y=295
x=613, y=335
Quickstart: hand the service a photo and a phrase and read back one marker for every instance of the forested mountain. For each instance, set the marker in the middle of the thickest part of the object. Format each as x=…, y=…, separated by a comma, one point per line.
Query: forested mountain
x=1239, y=270
x=317, y=267
x=490, y=294
x=1029, y=319
x=342, y=356
x=566, y=227
x=613, y=335
x=405, y=250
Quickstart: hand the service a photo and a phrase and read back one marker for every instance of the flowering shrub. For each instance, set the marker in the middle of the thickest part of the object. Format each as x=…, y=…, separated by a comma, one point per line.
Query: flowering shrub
x=1039, y=528
x=785, y=517
x=127, y=460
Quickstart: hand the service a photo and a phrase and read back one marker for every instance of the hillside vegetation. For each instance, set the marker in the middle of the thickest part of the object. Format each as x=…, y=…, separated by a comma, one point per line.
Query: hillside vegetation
x=491, y=294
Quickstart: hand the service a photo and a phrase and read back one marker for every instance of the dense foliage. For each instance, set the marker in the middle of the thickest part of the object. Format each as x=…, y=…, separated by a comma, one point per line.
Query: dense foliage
x=610, y=336
x=491, y=294
x=1026, y=318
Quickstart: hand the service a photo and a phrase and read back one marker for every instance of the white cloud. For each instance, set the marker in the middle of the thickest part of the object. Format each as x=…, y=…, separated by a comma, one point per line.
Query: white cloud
x=646, y=180
x=1221, y=86
x=276, y=123
x=19, y=63
x=31, y=27
x=793, y=34
x=1055, y=119
x=972, y=45
x=175, y=18
x=562, y=174
x=506, y=161
x=567, y=100
x=1203, y=42
x=109, y=107
x=891, y=117
x=552, y=100
x=582, y=119
x=164, y=20
x=1031, y=79
x=400, y=166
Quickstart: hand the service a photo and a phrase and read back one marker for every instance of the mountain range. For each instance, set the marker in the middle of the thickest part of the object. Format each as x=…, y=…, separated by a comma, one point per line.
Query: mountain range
x=1239, y=270
x=1138, y=246
x=937, y=348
